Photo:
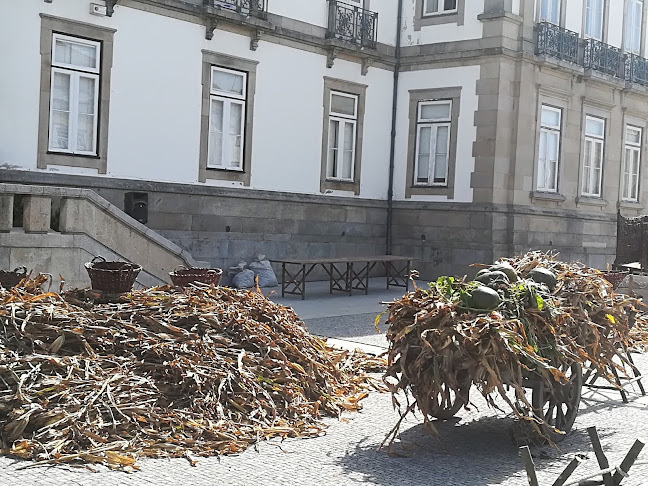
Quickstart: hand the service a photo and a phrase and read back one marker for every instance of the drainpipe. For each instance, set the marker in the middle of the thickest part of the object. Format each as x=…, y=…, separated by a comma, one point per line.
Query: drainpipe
x=390, y=191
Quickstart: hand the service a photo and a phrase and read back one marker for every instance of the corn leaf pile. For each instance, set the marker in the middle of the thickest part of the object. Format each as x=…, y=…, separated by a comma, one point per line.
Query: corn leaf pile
x=440, y=345
x=162, y=372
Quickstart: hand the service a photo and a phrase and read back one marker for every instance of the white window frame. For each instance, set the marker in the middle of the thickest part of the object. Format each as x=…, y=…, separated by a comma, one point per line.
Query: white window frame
x=440, y=9
x=228, y=98
x=549, y=131
x=589, y=14
x=334, y=168
x=75, y=73
x=631, y=192
x=632, y=30
x=552, y=14
x=434, y=124
x=593, y=140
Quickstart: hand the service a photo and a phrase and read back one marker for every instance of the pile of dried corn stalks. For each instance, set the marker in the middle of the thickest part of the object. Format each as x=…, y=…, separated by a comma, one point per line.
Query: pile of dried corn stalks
x=162, y=372
x=440, y=347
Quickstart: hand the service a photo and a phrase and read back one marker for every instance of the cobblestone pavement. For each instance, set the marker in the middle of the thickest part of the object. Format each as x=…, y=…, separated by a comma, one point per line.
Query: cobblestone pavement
x=474, y=449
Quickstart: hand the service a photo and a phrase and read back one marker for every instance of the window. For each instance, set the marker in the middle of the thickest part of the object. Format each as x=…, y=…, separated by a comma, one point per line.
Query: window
x=74, y=109
x=631, y=163
x=226, y=119
x=550, y=11
x=593, y=162
x=594, y=19
x=343, y=116
x=342, y=135
x=436, y=7
x=437, y=12
x=549, y=149
x=634, y=18
x=432, y=142
x=74, y=96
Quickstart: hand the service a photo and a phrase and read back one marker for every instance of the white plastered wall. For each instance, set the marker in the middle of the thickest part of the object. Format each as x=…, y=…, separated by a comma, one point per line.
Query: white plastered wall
x=464, y=77
x=156, y=96
x=450, y=32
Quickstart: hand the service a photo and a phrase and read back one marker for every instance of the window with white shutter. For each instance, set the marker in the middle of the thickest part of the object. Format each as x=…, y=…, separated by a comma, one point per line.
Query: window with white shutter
x=74, y=98
x=550, y=11
x=594, y=153
x=631, y=164
x=343, y=118
x=594, y=19
x=432, y=143
x=549, y=149
x=226, y=119
x=633, y=21
x=437, y=7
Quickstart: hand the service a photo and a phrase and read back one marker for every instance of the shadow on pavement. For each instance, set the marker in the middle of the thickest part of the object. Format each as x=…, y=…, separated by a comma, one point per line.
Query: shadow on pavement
x=477, y=452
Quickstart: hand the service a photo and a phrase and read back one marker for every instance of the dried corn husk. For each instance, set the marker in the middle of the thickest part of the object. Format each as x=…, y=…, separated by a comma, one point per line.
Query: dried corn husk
x=162, y=373
x=440, y=347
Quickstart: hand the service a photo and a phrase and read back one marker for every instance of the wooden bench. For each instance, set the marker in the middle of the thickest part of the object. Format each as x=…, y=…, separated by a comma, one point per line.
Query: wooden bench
x=346, y=274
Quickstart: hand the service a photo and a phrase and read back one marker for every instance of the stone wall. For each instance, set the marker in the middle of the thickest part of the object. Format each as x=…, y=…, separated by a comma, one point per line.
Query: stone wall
x=448, y=238
x=223, y=226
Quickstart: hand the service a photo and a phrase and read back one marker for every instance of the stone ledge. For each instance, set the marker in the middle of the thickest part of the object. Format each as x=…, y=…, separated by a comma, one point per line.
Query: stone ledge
x=591, y=201
x=547, y=196
x=631, y=205
x=16, y=178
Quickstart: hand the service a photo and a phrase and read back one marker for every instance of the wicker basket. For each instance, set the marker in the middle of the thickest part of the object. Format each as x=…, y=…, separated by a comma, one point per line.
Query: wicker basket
x=614, y=277
x=11, y=279
x=112, y=277
x=183, y=276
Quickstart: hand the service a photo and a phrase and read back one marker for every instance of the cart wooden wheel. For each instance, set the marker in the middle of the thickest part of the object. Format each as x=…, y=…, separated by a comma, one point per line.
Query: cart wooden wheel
x=448, y=402
x=559, y=407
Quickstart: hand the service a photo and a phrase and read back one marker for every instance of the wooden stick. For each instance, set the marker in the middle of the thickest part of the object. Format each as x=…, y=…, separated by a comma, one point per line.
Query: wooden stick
x=527, y=460
x=628, y=461
x=571, y=467
x=600, y=455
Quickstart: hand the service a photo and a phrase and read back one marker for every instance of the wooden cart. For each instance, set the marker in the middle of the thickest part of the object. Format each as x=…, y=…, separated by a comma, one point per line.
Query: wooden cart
x=556, y=407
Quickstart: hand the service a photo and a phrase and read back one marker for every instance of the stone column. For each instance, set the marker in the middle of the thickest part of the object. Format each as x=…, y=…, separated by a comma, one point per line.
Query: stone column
x=37, y=214
x=6, y=212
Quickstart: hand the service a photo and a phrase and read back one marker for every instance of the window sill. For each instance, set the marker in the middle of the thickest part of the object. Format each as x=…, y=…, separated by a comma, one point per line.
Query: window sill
x=547, y=196
x=591, y=201
x=440, y=14
x=430, y=186
x=223, y=169
x=340, y=181
x=632, y=205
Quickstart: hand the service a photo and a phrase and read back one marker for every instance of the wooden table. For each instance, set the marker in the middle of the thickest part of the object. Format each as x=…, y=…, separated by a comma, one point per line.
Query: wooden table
x=346, y=274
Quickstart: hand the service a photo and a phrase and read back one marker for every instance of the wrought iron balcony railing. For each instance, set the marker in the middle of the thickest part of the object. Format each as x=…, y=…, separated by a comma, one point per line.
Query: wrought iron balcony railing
x=604, y=58
x=636, y=69
x=557, y=42
x=352, y=24
x=253, y=8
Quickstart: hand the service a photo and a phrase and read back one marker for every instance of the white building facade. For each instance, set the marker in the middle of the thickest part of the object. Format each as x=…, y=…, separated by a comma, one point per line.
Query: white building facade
x=295, y=128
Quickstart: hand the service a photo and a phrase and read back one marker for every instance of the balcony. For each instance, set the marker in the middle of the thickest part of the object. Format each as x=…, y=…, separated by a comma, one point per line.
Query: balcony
x=636, y=69
x=604, y=58
x=352, y=24
x=249, y=8
x=565, y=45
x=556, y=42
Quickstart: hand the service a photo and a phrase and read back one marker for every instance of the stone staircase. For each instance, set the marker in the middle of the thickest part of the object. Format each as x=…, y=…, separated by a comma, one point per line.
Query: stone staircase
x=85, y=225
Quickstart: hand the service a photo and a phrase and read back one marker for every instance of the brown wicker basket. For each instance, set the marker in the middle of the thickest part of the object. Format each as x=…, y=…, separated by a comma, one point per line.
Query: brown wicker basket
x=112, y=277
x=11, y=279
x=615, y=277
x=183, y=276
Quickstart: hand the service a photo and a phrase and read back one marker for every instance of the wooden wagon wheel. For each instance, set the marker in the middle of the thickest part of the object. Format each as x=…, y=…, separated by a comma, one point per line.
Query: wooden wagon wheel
x=448, y=402
x=558, y=407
